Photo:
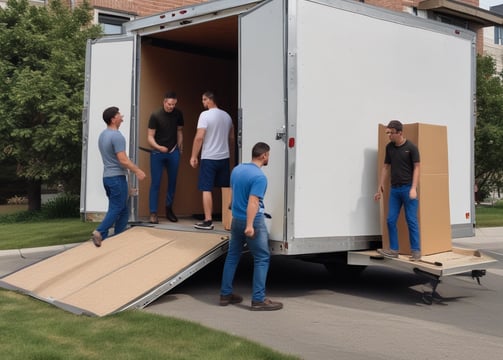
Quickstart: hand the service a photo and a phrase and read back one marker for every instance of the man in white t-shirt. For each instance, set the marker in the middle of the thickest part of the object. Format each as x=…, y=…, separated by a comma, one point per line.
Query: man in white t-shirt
x=214, y=134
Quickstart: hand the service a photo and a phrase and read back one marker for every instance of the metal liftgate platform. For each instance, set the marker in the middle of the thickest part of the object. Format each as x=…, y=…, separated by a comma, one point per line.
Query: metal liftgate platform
x=129, y=270
x=455, y=262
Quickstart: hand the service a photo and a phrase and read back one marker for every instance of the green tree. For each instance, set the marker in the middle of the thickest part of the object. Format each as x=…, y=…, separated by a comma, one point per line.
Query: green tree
x=41, y=93
x=489, y=127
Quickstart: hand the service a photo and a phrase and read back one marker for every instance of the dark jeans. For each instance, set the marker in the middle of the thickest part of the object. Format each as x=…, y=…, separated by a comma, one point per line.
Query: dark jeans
x=258, y=247
x=159, y=161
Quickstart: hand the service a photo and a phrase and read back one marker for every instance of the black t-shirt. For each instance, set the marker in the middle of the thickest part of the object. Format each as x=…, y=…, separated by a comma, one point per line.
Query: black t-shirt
x=402, y=159
x=165, y=125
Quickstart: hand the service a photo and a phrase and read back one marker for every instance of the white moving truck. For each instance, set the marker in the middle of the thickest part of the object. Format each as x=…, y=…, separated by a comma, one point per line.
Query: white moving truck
x=313, y=79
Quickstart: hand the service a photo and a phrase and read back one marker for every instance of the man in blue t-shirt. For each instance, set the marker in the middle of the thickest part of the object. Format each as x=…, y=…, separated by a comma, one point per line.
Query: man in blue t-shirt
x=248, y=227
x=116, y=164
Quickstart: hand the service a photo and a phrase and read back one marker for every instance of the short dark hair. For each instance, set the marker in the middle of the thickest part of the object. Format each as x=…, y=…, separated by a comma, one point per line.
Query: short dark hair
x=170, y=95
x=395, y=124
x=259, y=149
x=109, y=114
x=210, y=95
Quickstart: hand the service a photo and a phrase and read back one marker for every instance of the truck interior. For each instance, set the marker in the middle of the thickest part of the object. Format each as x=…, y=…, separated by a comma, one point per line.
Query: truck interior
x=189, y=60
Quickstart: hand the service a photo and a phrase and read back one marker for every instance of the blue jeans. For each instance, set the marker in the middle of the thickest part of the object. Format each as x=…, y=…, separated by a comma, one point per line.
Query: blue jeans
x=400, y=196
x=159, y=161
x=116, y=189
x=259, y=249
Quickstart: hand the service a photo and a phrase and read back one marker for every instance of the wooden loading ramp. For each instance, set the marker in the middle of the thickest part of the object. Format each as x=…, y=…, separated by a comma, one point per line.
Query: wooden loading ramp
x=129, y=270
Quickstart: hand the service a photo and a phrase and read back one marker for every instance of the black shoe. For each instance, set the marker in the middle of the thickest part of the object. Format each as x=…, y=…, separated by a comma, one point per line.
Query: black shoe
x=230, y=299
x=205, y=225
x=170, y=215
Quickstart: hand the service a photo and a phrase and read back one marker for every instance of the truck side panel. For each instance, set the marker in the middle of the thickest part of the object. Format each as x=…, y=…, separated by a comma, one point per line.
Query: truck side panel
x=374, y=66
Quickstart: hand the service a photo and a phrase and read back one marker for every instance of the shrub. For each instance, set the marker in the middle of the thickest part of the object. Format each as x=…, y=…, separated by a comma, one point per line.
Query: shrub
x=62, y=206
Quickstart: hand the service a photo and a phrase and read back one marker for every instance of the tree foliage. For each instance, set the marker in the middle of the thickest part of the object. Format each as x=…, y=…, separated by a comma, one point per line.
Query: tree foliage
x=41, y=93
x=489, y=128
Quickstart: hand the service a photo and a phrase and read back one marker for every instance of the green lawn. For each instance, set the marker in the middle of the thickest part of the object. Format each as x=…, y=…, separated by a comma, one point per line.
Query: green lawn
x=44, y=233
x=31, y=329
x=489, y=215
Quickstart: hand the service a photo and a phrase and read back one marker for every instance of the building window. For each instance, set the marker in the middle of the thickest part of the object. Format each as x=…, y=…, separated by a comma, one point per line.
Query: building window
x=498, y=35
x=111, y=23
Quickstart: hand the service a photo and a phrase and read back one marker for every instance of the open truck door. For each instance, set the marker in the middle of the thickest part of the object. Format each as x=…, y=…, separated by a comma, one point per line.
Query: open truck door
x=262, y=99
x=109, y=81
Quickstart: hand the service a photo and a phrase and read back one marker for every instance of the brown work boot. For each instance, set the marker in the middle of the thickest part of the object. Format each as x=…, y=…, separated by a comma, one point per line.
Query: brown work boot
x=170, y=215
x=96, y=238
x=266, y=305
x=230, y=299
x=153, y=218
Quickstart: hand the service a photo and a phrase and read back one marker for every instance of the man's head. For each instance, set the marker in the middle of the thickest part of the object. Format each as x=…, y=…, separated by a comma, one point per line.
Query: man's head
x=170, y=101
x=260, y=152
x=394, y=130
x=110, y=113
x=209, y=100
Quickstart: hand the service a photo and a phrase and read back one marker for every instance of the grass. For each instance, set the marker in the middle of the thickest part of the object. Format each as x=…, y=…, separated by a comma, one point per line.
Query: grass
x=44, y=233
x=489, y=215
x=31, y=329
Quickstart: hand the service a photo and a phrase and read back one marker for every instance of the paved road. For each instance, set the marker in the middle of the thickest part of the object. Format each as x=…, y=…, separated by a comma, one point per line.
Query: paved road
x=378, y=316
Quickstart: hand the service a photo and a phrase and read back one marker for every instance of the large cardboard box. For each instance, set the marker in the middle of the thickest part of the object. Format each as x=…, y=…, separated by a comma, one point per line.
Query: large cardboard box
x=433, y=189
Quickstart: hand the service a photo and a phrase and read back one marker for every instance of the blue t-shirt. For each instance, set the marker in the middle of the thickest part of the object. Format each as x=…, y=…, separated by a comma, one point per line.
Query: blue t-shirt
x=110, y=143
x=247, y=179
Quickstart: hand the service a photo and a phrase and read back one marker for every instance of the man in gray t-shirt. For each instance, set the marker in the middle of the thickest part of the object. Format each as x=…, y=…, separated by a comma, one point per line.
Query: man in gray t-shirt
x=112, y=145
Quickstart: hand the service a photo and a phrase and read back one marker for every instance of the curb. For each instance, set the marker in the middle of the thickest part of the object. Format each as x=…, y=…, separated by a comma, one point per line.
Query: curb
x=35, y=253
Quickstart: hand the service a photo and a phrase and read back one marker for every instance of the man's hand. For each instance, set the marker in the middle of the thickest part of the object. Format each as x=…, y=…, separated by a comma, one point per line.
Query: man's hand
x=378, y=194
x=249, y=231
x=193, y=162
x=413, y=193
x=140, y=174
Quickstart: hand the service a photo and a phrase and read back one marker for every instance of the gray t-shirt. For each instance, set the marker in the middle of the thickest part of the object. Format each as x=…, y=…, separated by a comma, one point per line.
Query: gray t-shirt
x=110, y=143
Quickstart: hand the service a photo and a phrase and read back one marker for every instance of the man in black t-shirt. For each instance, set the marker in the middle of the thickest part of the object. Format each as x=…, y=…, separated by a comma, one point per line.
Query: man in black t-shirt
x=402, y=160
x=165, y=136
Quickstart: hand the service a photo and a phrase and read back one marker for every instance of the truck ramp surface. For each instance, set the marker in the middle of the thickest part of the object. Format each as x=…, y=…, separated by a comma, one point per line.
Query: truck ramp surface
x=129, y=270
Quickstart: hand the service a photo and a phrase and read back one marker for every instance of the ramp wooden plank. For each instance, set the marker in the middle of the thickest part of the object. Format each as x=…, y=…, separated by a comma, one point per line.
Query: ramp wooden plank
x=102, y=280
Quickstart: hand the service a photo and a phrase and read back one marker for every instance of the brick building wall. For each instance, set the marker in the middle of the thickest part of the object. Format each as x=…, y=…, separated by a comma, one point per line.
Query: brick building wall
x=141, y=7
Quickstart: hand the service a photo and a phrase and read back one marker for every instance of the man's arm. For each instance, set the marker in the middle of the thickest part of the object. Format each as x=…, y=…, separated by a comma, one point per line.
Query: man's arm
x=384, y=176
x=196, y=146
x=153, y=143
x=415, y=181
x=251, y=212
x=127, y=163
